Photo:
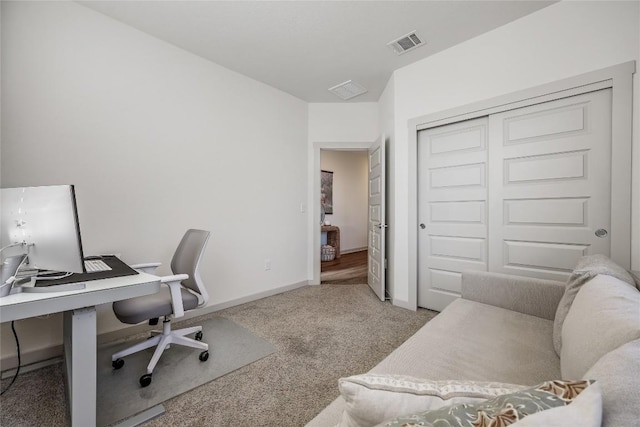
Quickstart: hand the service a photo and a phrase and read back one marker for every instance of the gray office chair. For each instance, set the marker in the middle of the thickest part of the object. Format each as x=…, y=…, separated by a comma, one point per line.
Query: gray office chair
x=184, y=292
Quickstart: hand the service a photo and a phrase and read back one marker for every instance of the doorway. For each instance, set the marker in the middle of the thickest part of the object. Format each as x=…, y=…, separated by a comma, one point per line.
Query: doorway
x=343, y=200
x=376, y=211
x=315, y=196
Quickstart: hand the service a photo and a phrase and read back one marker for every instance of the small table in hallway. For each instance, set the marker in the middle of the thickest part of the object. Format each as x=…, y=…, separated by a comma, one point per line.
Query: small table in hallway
x=333, y=237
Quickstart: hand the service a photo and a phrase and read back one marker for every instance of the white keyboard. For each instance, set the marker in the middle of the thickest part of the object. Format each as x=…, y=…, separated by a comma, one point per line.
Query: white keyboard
x=95, y=265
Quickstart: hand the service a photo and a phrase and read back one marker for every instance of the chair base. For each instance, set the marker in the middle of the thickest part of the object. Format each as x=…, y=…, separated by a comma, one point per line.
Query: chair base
x=162, y=339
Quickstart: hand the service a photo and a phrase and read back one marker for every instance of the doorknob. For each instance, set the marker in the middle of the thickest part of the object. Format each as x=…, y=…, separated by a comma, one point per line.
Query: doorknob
x=601, y=232
x=423, y=226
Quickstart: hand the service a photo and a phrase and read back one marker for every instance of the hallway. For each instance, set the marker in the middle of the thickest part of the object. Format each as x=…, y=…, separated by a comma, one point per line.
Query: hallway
x=349, y=269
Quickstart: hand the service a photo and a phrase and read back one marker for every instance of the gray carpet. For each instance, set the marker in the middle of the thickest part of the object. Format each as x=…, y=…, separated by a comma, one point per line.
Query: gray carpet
x=179, y=369
x=321, y=333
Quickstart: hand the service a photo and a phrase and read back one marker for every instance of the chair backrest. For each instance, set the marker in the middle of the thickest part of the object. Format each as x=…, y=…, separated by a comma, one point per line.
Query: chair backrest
x=186, y=260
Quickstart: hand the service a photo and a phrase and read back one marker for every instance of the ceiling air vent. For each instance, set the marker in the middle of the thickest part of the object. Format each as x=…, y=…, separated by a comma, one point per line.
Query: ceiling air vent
x=347, y=90
x=405, y=43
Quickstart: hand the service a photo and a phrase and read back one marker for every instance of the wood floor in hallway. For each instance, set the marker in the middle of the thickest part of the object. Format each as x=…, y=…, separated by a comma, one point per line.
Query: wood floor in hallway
x=349, y=269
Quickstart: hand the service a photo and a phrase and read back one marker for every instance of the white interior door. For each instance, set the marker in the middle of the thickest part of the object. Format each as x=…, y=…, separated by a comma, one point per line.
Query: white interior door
x=377, y=225
x=452, y=209
x=550, y=185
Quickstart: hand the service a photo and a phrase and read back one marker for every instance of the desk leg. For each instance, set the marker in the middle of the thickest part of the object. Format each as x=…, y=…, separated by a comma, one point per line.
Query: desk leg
x=80, y=355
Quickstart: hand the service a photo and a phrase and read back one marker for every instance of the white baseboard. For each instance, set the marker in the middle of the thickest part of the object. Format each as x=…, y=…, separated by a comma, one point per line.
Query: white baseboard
x=36, y=356
x=30, y=362
x=350, y=251
x=253, y=297
x=30, y=357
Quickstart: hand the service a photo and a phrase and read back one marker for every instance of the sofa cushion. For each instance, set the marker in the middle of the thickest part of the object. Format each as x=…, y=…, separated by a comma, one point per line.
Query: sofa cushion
x=474, y=341
x=527, y=295
x=374, y=398
x=587, y=268
x=604, y=315
x=566, y=403
x=618, y=373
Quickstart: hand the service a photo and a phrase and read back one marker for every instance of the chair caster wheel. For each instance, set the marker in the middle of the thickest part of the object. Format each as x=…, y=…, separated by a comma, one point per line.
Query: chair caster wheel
x=117, y=364
x=198, y=336
x=204, y=356
x=145, y=380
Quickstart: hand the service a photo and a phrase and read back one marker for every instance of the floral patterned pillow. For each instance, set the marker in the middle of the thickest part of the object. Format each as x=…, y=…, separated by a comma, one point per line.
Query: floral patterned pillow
x=499, y=411
x=373, y=398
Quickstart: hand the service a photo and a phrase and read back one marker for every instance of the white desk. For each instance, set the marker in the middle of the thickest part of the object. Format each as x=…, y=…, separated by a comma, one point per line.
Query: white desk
x=80, y=342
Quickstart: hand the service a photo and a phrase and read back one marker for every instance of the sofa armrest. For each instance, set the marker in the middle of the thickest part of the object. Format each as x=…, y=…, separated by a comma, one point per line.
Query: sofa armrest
x=526, y=295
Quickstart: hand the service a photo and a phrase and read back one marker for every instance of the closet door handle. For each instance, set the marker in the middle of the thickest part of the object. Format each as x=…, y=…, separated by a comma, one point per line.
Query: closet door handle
x=423, y=226
x=601, y=233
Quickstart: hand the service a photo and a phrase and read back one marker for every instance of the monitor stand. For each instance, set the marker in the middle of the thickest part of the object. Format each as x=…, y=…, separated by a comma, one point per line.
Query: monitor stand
x=49, y=289
x=9, y=270
x=26, y=283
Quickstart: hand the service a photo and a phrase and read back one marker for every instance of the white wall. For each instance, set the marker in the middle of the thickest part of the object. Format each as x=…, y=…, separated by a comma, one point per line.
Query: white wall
x=350, y=203
x=156, y=140
x=559, y=41
x=343, y=122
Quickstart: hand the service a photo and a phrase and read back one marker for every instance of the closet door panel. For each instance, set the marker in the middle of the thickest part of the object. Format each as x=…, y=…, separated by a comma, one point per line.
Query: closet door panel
x=452, y=187
x=549, y=185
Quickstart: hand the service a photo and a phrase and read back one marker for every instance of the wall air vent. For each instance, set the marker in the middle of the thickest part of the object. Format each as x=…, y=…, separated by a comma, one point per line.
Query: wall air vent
x=347, y=90
x=405, y=43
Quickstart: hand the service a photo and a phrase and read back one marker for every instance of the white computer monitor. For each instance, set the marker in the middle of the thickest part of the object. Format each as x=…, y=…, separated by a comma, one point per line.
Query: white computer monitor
x=43, y=221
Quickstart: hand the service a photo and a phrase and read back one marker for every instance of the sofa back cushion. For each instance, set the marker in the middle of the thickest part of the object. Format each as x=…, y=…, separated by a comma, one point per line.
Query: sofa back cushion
x=587, y=268
x=618, y=373
x=605, y=314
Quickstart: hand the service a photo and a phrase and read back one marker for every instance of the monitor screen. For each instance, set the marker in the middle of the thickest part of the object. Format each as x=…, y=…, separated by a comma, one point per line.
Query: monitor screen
x=45, y=221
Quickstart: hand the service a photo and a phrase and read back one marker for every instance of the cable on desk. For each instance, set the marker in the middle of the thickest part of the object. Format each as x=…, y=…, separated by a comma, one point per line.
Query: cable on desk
x=62, y=276
x=11, y=246
x=15, y=335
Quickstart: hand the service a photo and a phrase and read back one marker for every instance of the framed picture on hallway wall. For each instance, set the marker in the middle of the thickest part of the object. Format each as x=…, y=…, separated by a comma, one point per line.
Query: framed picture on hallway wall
x=326, y=191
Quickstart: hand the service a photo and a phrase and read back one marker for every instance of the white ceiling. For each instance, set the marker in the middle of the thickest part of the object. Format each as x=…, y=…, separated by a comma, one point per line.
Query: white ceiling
x=306, y=47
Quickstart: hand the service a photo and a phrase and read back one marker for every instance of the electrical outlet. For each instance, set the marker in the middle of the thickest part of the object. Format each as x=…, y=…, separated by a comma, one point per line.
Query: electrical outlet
x=267, y=264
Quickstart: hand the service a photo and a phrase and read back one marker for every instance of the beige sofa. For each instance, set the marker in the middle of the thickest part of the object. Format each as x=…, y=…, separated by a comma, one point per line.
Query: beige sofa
x=502, y=330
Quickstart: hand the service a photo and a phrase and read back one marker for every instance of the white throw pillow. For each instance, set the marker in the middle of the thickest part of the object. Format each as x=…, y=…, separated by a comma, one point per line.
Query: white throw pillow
x=373, y=398
x=551, y=403
x=604, y=315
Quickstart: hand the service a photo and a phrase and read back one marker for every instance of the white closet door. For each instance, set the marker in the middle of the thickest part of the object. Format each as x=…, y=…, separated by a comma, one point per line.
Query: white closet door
x=550, y=185
x=452, y=191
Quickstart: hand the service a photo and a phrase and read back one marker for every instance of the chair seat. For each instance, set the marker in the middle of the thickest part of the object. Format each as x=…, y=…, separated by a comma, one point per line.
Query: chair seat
x=141, y=309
